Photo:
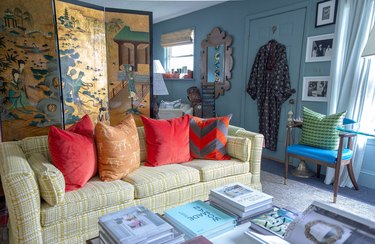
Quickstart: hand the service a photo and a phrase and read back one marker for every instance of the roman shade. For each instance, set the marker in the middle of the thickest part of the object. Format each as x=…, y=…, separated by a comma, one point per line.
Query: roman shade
x=181, y=37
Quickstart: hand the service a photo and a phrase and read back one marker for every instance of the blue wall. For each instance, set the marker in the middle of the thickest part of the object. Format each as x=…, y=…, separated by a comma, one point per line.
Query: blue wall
x=231, y=17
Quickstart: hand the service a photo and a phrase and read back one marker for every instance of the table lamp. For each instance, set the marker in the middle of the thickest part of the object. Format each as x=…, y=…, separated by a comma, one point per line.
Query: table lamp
x=369, y=49
x=159, y=86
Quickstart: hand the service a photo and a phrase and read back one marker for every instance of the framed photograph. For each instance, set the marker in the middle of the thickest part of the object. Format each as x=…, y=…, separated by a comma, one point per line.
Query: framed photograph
x=319, y=48
x=315, y=89
x=325, y=13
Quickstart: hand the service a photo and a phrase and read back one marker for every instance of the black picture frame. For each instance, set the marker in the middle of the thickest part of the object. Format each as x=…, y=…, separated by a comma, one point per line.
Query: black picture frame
x=325, y=13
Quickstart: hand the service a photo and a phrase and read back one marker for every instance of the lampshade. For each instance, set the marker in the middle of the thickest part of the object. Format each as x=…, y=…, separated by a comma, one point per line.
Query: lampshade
x=158, y=68
x=370, y=45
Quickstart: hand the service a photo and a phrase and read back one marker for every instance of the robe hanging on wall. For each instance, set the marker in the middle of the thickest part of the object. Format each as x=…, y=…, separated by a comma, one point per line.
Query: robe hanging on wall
x=269, y=84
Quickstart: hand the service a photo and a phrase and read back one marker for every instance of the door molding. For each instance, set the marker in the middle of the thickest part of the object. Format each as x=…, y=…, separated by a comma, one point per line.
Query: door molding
x=246, y=62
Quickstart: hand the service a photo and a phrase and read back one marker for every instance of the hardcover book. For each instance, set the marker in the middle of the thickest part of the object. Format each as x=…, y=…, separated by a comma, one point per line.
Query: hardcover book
x=199, y=218
x=241, y=197
x=135, y=225
x=276, y=221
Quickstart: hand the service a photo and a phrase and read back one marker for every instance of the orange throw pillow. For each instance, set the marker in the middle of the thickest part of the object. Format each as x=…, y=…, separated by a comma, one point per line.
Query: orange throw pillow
x=208, y=137
x=118, y=149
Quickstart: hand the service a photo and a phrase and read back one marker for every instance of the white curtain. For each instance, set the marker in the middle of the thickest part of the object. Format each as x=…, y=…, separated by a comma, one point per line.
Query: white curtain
x=351, y=86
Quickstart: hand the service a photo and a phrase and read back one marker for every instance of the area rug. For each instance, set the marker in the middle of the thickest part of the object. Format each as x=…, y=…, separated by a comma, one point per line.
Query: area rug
x=299, y=196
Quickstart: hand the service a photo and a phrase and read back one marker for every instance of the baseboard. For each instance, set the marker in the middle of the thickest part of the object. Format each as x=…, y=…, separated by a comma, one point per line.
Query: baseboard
x=273, y=159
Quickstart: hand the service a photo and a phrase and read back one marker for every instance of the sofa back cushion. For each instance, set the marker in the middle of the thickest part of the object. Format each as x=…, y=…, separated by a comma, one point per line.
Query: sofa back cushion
x=50, y=180
x=35, y=144
x=142, y=143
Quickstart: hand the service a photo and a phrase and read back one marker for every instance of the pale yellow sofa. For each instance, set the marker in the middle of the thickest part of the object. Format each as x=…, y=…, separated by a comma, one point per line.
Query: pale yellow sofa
x=32, y=220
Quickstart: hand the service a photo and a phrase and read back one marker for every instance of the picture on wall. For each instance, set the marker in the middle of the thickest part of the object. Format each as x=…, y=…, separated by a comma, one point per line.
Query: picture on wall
x=325, y=13
x=29, y=84
x=128, y=43
x=315, y=89
x=83, y=60
x=319, y=48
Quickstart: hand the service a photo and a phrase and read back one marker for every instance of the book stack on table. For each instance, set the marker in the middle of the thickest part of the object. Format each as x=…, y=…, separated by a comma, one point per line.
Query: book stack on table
x=199, y=218
x=136, y=225
x=240, y=201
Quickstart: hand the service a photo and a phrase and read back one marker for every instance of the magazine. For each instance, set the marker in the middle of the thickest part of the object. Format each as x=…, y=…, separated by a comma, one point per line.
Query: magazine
x=199, y=218
x=241, y=197
x=240, y=214
x=322, y=223
x=276, y=221
x=134, y=225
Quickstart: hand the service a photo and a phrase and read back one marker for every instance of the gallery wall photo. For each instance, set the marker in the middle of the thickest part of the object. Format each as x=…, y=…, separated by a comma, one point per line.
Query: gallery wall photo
x=55, y=68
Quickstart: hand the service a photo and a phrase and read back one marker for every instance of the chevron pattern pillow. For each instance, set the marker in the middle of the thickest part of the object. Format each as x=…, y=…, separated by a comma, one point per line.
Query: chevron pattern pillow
x=208, y=137
x=319, y=130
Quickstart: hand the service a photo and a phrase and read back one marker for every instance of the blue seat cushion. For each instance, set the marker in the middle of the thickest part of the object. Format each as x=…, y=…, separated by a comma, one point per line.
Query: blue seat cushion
x=328, y=156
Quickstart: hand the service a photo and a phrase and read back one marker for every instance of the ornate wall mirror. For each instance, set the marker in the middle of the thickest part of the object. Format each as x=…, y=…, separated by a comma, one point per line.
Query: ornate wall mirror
x=217, y=61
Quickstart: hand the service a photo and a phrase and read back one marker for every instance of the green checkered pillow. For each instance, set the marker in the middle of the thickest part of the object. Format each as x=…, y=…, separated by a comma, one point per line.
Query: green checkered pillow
x=239, y=147
x=50, y=180
x=319, y=130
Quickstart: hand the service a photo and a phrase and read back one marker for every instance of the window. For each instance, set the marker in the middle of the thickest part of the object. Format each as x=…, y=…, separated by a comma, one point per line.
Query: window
x=179, y=53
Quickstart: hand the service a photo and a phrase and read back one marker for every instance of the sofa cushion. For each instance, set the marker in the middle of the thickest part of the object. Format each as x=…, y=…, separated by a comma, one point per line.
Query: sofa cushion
x=148, y=181
x=167, y=141
x=35, y=144
x=208, y=137
x=239, y=147
x=50, y=180
x=118, y=149
x=214, y=169
x=94, y=196
x=142, y=143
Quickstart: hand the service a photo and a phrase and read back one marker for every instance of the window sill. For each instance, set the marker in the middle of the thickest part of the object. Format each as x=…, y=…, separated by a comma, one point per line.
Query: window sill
x=188, y=79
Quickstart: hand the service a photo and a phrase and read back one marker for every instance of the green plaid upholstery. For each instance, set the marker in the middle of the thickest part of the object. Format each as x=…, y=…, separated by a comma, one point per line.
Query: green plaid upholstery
x=239, y=147
x=50, y=180
x=216, y=169
x=85, y=226
x=232, y=130
x=319, y=130
x=255, y=153
x=76, y=219
x=142, y=143
x=35, y=144
x=95, y=195
x=22, y=194
x=149, y=181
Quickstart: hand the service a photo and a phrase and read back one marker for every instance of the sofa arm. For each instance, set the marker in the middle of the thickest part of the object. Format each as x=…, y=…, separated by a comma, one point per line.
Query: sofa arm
x=21, y=194
x=255, y=153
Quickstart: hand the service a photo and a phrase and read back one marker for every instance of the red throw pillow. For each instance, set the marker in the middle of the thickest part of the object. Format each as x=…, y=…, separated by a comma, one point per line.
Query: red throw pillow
x=208, y=137
x=167, y=141
x=73, y=152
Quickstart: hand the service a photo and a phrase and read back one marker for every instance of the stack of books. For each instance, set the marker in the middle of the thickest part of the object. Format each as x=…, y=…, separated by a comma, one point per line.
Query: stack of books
x=199, y=218
x=240, y=201
x=136, y=225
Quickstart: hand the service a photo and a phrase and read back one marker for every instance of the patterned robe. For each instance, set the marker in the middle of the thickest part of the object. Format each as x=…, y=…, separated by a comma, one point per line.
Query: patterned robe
x=269, y=83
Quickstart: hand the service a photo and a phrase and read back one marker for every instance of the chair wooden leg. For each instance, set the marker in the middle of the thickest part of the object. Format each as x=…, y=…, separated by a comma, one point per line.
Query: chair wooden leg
x=336, y=181
x=318, y=168
x=351, y=175
x=286, y=164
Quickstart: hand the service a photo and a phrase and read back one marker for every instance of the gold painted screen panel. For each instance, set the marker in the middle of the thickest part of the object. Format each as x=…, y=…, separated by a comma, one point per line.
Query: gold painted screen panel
x=83, y=62
x=29, y=85
x=129, y=51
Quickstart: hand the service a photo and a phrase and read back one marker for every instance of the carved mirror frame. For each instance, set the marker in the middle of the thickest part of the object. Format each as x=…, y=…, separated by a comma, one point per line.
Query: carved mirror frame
x=215, y=38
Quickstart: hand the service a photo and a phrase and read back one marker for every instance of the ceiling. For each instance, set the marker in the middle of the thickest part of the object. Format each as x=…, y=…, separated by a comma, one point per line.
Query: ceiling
x=162, y=10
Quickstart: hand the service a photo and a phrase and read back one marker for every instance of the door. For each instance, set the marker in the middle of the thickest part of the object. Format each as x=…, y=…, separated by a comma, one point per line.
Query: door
x=286, y=28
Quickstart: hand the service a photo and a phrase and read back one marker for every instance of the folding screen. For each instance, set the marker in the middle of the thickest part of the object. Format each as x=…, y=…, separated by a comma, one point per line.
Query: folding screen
x=29, y=84
x=37, y=90
x=128, y=46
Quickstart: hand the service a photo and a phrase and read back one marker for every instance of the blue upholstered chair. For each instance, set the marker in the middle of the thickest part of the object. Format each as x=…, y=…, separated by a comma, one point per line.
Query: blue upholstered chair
x=329, y=158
